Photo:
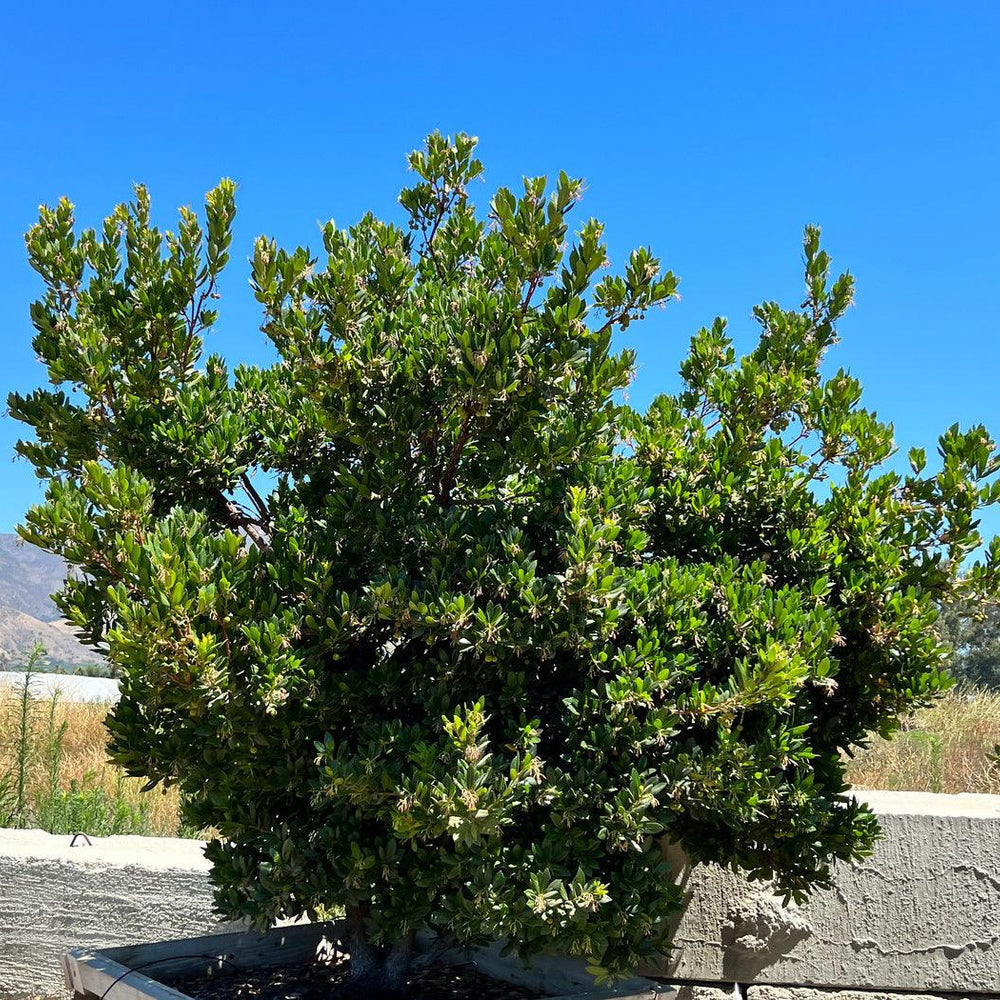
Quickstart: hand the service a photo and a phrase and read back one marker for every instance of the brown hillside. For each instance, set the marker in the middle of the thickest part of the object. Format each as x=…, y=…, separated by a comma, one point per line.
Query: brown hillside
x=27, y=615
x=27, y=577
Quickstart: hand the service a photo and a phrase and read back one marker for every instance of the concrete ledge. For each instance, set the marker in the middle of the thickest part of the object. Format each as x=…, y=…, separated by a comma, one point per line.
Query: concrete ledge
x=921, y=914
x=117, y=891
x=803, y=993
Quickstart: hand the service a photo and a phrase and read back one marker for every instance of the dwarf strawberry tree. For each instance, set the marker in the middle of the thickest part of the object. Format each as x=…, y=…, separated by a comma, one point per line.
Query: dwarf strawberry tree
x=426, y=623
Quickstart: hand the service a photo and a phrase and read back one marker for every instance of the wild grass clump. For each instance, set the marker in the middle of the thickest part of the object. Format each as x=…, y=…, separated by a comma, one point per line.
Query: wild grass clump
x=55, y=775
x=949, y=747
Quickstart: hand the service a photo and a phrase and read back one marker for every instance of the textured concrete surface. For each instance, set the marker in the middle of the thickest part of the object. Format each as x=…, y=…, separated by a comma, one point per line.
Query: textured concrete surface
x=804, y=993
x=921, y=914
x=119, y=890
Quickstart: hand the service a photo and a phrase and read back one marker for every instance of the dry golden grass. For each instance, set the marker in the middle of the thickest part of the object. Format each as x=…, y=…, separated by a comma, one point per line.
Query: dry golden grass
x=949, y=747
x=84, y=757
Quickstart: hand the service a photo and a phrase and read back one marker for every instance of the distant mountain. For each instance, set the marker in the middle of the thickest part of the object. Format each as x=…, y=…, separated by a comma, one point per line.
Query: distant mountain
x=28, y=576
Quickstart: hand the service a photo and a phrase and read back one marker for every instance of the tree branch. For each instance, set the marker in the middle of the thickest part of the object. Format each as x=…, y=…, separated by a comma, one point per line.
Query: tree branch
x=447, y=481
x=240, y=520
x=256, y=499
x=445, y=203
x=535, y=281
x=619, y=316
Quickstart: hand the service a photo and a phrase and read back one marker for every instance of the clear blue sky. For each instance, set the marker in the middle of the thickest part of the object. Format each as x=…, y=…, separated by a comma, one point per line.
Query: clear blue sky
x=711, y=131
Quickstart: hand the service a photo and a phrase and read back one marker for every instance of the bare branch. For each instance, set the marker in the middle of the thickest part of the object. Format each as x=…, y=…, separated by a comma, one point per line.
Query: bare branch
x=256, y=499
x=447, y=481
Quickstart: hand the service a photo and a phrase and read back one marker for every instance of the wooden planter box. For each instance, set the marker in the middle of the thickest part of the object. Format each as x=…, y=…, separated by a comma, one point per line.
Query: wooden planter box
x=134, y=972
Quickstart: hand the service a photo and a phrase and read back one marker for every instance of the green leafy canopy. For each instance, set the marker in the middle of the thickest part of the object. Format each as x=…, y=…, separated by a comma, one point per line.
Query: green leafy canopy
x=492, y=634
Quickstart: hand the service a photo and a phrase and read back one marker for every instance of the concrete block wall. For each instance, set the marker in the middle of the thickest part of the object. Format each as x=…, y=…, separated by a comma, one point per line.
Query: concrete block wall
x=922, y=915
x=117, y=890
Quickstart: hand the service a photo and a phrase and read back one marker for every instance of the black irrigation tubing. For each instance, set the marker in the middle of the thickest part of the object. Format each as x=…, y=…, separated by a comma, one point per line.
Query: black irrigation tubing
x=160, y=961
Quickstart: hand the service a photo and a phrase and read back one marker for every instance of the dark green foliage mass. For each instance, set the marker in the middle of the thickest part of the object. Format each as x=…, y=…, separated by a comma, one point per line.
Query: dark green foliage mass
x=487, y=634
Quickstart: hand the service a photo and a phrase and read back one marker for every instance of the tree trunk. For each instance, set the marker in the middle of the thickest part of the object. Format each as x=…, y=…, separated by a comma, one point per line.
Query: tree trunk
x=378, y=973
